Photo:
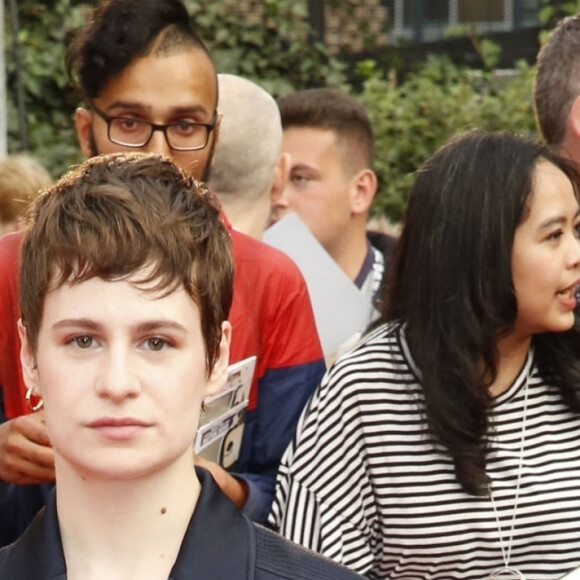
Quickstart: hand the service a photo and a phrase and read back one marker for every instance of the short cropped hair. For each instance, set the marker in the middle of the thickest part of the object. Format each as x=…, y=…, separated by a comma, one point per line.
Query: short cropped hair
x=249, y=142
x=21, y=179
x=557, y=81
x=126, y=214
x=121, y=31
x=332, y=110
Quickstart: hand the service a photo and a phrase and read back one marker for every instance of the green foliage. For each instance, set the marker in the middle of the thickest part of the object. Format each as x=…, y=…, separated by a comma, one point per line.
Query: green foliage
x=49, y=106
x=488, y=51
x=277, y=49
x=551, y=12
x=412, y=119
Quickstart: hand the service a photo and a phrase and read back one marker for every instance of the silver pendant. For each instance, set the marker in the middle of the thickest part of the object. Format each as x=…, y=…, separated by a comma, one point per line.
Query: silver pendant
x=505, y=573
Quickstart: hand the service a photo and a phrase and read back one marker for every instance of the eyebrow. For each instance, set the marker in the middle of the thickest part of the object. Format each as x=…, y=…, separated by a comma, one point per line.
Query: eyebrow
x=303, y=167
x=146, y=326
x=556, y=221
x=172, y=112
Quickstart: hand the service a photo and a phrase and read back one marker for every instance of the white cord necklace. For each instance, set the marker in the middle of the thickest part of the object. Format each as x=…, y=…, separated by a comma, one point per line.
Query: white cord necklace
x=506, y=572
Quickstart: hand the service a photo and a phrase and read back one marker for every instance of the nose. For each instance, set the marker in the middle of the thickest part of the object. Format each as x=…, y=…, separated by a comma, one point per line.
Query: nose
x=158, y=144
x=117, y=378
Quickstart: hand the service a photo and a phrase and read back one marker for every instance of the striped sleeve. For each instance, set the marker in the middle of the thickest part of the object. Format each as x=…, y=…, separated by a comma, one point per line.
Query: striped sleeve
x=324, y=499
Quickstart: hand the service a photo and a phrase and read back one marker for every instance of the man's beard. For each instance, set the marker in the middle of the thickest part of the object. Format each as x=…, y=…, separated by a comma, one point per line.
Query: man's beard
x=204, y=176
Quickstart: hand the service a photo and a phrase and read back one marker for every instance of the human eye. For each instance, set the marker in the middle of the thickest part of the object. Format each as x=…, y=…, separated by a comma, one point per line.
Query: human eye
x=300, y=179
x=555, y=235
x=156, y=344
x=82, y=342
x=185, y=128
x=129, y=124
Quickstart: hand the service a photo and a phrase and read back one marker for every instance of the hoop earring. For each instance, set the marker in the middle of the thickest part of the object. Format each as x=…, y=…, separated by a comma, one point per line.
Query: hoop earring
x=33, y=407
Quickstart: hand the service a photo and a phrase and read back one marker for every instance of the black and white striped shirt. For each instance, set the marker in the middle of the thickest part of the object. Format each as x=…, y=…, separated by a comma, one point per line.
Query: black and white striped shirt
x=364, y=484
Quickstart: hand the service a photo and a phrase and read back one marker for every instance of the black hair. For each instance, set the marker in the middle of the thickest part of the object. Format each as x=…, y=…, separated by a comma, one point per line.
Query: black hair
x=451, y=283
x=121, y=31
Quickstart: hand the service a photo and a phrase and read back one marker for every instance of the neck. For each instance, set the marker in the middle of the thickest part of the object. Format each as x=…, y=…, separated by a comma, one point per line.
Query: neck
x=250, y=217
x=513, y=351
x=124, y=529
x=350, y=251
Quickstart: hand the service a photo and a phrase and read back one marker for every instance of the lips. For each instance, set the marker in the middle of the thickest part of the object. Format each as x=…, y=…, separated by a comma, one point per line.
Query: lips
x=118, y=428
x=117, y=422
x=567, y=296
x=571, y=289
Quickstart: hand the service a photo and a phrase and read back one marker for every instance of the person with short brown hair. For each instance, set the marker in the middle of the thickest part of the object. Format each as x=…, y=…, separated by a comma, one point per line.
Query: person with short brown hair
x=148, y=84
x=21, y=179
x=126, y=286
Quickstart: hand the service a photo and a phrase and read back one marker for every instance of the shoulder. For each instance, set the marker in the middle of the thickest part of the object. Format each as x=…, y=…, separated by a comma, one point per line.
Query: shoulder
x=3, y=555
x=270, y=277
x=9, y=266
x=250, y=250
x=382, y=350
x=277, y=558
x=38, y=552
x=376, y=376
x=10, y=250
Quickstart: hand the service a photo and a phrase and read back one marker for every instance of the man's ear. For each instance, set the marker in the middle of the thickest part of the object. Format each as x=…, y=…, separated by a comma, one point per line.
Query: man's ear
x=83, y=124
x=27, y=360
x=363, y=190
x=219, y=373
x=280, y=176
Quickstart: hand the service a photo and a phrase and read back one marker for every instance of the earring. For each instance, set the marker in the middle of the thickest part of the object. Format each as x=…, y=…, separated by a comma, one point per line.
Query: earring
x=33, y=406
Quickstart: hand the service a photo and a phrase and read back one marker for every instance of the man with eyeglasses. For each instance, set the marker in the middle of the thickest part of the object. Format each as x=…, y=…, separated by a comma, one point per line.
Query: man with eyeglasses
x=181, y=135
x=149, y=84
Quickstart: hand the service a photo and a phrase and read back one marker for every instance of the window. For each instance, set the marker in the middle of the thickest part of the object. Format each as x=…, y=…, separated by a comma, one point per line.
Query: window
x=429, y=20
x=473, y=11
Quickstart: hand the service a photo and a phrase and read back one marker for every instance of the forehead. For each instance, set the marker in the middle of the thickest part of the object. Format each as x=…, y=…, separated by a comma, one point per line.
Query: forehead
x=551, y=183
x=119, y=302
x=183, y=79
x=310, y=142
x=552, y=195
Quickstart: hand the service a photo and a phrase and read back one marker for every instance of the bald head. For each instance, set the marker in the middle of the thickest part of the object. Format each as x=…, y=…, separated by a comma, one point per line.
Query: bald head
x=250, y=138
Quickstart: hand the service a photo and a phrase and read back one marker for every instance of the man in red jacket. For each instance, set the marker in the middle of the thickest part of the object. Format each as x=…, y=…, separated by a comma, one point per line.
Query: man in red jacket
x=149, y=84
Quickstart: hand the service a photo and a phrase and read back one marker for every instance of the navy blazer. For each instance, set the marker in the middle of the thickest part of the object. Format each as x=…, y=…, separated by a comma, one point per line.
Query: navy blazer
x=220, y=543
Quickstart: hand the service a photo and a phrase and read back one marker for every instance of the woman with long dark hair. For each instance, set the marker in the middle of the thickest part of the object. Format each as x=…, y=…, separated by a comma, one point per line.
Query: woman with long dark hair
x=447, y=443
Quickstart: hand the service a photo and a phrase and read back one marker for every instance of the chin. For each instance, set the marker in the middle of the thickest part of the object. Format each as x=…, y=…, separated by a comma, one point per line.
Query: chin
x=562, y=325
x=118, y=465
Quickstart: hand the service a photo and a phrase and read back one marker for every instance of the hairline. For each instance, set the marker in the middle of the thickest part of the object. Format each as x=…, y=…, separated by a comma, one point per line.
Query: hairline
x=343, y=143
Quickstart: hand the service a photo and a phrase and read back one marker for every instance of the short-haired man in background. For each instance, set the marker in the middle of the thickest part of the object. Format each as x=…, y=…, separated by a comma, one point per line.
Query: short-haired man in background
x=331, y=183
x=557, y=88
x=247, y=168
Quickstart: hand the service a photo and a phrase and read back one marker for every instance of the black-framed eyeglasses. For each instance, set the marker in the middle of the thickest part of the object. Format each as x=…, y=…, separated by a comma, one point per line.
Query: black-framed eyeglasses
x=180, y=135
